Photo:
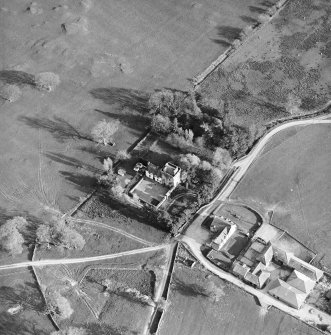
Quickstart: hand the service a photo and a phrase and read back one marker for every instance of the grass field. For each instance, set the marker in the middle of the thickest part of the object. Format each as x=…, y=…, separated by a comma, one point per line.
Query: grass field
x=98, y=241
x=203, y=304
x=281, y=71
x=291, y=177
x=18, y=287
x=124, y=308
x=108, y=55
x=118, y=215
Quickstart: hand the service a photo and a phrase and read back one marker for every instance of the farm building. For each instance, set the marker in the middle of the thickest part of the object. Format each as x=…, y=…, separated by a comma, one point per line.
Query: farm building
x=294, y=291
x=287, y=293
x=240, y=270
x=307, y=269
x=257, y=279
x=301, y=282
x=223, y=237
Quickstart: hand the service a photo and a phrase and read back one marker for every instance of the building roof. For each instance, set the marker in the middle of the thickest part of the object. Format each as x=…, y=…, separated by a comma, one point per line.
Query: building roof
x=155, y=170
x=220, y=237
x=257, y=246
x=300, y=281
x=305, y=268
x=282, y=254
x=240, y=269
x=257, y=279
x=266, y=255
x=170, y=169
x=287, y=293
x=259, y=267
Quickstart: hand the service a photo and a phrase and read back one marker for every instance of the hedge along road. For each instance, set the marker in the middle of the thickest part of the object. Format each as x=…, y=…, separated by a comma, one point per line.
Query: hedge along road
x=46, y=262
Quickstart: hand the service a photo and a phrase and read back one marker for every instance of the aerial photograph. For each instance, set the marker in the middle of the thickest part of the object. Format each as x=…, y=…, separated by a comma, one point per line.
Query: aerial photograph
x=165, y=167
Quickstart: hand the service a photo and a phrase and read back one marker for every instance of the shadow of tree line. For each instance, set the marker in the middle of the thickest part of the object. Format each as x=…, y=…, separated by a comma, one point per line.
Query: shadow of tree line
x=61, y=129
x=124, y=98
x=18, y=78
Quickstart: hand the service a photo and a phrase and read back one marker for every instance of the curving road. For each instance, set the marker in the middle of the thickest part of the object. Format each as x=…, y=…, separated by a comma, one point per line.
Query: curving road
x=307, y=313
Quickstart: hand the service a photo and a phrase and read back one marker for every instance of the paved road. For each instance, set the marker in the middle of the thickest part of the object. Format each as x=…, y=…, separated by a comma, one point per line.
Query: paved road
x=194, y=235
x=45, y=262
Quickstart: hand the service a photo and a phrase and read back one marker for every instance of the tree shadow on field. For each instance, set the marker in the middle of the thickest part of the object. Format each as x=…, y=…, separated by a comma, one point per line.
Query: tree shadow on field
x=58, y=127
x=134, y=121
x=83, y=182
x=249, y=20
x=125, y=98
x=258, y=10
x=71, y=161
x=228, y=32
x=17, y=77
x=267, y=3
x=189, y=290
x=223, y=43
x=97, y=151
x=14, y=325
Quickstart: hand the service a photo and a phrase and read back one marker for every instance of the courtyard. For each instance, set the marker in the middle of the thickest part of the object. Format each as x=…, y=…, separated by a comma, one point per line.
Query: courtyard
x=150, y=191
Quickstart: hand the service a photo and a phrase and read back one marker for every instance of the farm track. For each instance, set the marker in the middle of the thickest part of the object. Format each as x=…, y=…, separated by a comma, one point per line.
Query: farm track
x=117, y=230
x=47, y=262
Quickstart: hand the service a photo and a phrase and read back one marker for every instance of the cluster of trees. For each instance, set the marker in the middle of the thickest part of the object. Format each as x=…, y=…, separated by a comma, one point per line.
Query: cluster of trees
x=11, y=237
x=196, y=125
x=59, y=234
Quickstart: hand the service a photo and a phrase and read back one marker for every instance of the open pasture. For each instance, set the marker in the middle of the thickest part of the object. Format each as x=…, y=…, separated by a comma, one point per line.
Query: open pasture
x=292, y=179
x=202, y=304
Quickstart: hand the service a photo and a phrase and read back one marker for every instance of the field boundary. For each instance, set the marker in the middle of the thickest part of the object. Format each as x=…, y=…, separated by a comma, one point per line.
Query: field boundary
x=34, y=272
x=199, y=79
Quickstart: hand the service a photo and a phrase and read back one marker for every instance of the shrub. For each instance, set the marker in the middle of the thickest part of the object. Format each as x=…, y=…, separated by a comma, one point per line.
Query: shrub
x=47, y=81
x=122, y=155
x=10, y=93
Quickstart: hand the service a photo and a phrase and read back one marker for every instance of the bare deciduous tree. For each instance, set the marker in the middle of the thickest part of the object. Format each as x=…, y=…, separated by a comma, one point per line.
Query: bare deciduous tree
x=47, y=81
x=103, y=131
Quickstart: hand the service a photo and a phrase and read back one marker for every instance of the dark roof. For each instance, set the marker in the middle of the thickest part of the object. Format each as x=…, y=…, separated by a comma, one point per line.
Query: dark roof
x=151, y=168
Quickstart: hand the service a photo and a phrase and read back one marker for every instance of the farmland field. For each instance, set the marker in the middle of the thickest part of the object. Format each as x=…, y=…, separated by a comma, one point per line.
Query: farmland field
x=19, y=288
x=280, y=71
x=292, y=178
x=109, y=55
x=114, y=296
x=203, y=304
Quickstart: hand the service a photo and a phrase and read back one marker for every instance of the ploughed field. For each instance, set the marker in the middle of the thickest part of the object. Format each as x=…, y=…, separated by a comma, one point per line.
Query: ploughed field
x=291, y=177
